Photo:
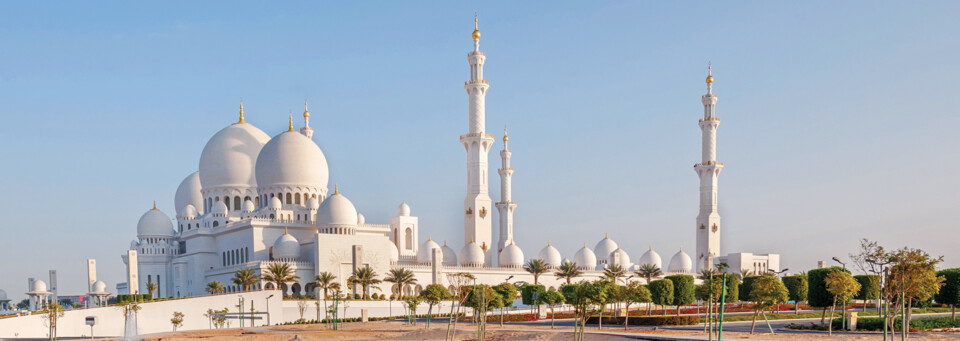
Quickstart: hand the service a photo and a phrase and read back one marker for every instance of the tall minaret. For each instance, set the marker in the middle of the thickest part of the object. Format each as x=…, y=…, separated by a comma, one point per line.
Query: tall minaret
x=306, y=130
x=477, y=206
x=708, y=221
x=506, y=205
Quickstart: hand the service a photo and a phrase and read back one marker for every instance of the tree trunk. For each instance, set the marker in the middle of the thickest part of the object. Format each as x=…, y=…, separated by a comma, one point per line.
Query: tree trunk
x=626, y=318
x=906, y=329
x=796, y=307
x=832, y=309
x=600, y=321
x=953, y=313
x=678, y=310
x=553, y=317
x=823, y=315
x=754, y=326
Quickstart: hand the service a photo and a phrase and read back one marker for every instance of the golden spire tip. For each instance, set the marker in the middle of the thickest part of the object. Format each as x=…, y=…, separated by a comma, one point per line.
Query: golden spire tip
x=285, y=230
x=306, y=113
x=336, y=189
x=476, y=29
x=154, y=204
x=291, y=121
x=241, y=111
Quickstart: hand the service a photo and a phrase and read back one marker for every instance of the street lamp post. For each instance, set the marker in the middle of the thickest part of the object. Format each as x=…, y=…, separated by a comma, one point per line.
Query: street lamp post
x=268, y=309
x=882, y=291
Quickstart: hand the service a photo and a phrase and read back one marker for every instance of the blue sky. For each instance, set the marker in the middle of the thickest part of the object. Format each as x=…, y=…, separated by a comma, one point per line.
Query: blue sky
x=839, y=119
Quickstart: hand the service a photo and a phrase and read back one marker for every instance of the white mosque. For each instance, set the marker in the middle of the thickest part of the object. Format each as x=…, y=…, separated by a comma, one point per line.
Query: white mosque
x=256, y=200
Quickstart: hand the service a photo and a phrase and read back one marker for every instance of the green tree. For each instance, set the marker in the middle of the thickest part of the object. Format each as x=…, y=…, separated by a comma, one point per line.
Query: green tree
x=661, y=292
x=365, y=277
x=599, y=295
x=733, y=288
x=765, y=292
x=568, y=271
x=536, y=267
x=746, y=286
x=577, y=295
x=950, y=291
x=797, y=287
x=551, y=298
x=912, y=275
x=648, y=272
x=869, y=288
x=151, y=288
x=842, y=286
x=527, y=293
x=508, y=293
x=280, y=274
x=177, y=320
x=215, y=287
x=633, y=292
x=400, y=277
x=433, y=294
x=245, y=278
x=684, y=290
x=51, y=316
x=817, y=294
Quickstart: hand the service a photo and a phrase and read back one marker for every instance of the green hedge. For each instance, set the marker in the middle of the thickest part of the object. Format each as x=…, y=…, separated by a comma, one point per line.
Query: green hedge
x=869, y=287
x=684, y=289
x=797, y=286
x=922, y=323
x=817, y=295
x=682, y=320
x=526, y=293
x=121, y=299
x=746, y=286
x=733, y=288
x=950, y=291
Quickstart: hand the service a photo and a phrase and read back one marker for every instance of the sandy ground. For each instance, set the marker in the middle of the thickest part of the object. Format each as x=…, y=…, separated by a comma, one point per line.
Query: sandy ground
x=394, y=330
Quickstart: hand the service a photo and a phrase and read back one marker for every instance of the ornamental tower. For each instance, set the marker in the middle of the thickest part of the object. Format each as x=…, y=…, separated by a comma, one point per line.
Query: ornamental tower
x=306, y=130
x=477, y=205
x=506, y=205
x=708, y=221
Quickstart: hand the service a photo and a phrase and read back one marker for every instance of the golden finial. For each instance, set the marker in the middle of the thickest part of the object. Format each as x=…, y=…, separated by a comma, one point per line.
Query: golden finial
x=154, y=205
x=709, y=73
x=505, y=138
x=606, y=236
x=429, y=238
x=241, y=111
x=476, y=29
x=285, y=231
x=291, y=121
x=471, y=240
x=336, y=189
x=306, y=113
x=444, y=243
x=584, y=245
x=511, y=241
x=548, y=243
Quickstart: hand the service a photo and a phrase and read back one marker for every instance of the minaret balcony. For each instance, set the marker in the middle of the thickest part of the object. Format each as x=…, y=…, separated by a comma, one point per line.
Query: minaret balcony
x=482, y=135
x=714, y=118
x=709, y=163
x=478, y=81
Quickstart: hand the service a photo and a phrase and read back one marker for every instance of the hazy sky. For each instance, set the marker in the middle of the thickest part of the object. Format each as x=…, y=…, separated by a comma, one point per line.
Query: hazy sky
x=839, y=120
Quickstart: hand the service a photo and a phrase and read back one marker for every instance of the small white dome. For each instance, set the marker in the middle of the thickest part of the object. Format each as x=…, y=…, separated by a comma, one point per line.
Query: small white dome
x=585, y=258
x=134, y=245
x=188, y=212
x=511, y=256
x=188, y=193
x=154, y=223
x=275, y=204
x=286, y=247
x=248, y=206
x=39, y=286
x=229, y=157
x=3, y=295
x=449, y=256
x=551, y=256
x=292, y=159
x=651, y=257
x=425, y=253
x=472, y=255
x=393, y=253
x=99, y=287
x=403, y=210
x=313, y=203
x=337, y=210
x=219, y=209
x=680, y=263
x=361, y=219
x=603, y=249
x=619, y=256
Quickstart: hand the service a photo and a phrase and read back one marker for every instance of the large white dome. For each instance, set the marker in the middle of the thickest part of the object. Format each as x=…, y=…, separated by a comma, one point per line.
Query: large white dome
x=188, y=193
x=230, y=156
x=551, y=256
x=585, y=258
x=337, y=210
x=472, y=255
x=292, y=159
x=604, y=247
x=511, y=256
x=619, y=256
x=680, y=263
x=39, y=286
x=651, y=257
x=449, y=256
x=393, y=253
x=154, y=223
x=425, y=253
x=286, y=247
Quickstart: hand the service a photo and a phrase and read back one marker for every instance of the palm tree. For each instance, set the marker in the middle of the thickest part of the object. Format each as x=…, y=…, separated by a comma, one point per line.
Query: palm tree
x=364, y=276
x=400, y=277
x=324, y=281
x=279, y=274
x=744, y=273
x=649, y=272
x=614, y=272
x=245, y=278
x=151, y=287
x=536, y=267
x=215, y=287
x=568, y=270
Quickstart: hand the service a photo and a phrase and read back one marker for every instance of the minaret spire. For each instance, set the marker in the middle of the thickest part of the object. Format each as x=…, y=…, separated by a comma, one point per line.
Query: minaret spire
x=506, y=205
x=241, y=111
x=291, y=121
x=708, y=220
x=306, y=130
x=477, y=205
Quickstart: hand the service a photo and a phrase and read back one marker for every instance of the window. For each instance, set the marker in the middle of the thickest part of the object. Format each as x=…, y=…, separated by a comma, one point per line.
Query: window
x=226, y=201
x=296, y=198
x=236, y=203
x=216, y=223
x=408, y=239
x=289, y=199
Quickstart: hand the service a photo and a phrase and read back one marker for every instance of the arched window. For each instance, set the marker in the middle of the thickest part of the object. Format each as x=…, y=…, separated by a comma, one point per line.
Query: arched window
x=247, y=251
x=223, y=262
x=271, y=216
x=216, y=223
x=226, y=201
x=236, y=203
x=289, y=199
x=271, y=253
x=408, y=238
x=296, y=198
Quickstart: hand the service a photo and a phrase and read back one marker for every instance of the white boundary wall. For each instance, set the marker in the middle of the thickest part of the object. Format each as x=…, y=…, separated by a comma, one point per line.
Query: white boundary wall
x=154, y=317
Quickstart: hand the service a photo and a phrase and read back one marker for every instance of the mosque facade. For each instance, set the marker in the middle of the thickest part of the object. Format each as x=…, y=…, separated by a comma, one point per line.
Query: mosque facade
x=257, y=200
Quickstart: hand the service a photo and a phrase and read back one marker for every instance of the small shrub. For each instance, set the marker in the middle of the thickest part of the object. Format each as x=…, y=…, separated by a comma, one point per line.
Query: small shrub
x=682, y=320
